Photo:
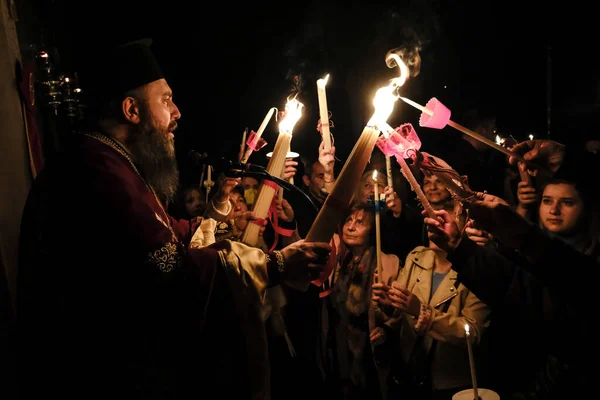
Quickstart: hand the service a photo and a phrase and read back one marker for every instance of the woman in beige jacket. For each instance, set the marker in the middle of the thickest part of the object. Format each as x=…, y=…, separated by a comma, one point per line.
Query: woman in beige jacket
x=435, y=308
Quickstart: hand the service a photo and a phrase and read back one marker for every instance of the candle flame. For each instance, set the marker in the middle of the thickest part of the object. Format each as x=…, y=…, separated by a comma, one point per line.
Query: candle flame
x=530, y=137
x=500, y=140
x=323, y=81
x=375, y=176
x=293, y=112
x=467, y=329
x=384, y=105
x=399, y=81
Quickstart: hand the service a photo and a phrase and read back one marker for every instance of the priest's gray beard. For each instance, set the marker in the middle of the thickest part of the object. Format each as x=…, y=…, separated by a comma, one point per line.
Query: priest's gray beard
x=154, y=154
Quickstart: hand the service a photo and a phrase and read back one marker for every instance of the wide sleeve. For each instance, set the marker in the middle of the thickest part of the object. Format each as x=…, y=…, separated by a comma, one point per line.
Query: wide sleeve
x=217, y=210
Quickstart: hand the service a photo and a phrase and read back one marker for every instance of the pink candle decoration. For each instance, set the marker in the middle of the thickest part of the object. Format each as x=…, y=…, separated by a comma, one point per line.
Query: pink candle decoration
x=436, y=115
x=439, y=116
x=401, y=142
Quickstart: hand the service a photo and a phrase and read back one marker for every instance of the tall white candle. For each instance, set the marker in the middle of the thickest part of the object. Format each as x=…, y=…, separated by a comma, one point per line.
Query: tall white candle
x=471, y=362
x=264, y=123
x=324, y=112
x=275, y=167
x=336, y=203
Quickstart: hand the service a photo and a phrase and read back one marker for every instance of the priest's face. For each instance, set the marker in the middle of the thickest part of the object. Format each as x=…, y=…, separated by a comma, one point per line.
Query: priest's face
x=152, y=140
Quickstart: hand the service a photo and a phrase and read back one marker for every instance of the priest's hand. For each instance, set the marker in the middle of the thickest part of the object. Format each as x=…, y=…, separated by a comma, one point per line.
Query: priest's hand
x=304, y=261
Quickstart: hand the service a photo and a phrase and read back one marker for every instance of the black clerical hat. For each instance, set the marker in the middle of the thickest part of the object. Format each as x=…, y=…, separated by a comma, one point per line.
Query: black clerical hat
x=114, y=71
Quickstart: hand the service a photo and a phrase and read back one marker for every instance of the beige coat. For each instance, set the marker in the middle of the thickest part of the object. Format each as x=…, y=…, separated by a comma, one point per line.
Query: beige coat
x=450, y=366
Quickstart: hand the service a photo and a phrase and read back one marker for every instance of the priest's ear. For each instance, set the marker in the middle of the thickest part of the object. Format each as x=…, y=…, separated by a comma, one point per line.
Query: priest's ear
x=131, y=105
x=131, y=110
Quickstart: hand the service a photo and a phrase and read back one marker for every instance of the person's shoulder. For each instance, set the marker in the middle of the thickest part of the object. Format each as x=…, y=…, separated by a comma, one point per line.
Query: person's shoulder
x=390, y=258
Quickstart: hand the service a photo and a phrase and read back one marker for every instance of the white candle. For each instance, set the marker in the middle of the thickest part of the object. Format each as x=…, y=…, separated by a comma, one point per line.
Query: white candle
x=388, y=166
x=377, y=226
x=324, y=112
x=275, y=167
x=416, y=187
x=471, y=362
x=263, y=125
x=258, y=134
x=334, y=207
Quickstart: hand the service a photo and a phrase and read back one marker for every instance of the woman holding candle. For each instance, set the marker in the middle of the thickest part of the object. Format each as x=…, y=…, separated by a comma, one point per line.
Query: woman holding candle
x=359, y=330
x=435, y=309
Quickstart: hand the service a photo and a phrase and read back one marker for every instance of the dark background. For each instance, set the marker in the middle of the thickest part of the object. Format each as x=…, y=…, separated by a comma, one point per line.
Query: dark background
x=532, y=65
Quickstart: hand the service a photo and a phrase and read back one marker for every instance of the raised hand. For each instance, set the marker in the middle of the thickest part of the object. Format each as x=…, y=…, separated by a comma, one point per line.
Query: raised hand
x=443, y=230
x=226, y=185
x=393, y=202
x=327, y=158
x=479, y=236
x=290, y=169
x=546, y=153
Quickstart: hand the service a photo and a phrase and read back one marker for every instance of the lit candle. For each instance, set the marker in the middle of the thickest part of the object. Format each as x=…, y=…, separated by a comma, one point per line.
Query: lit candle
x=471, y=362
x=377, y=226
x=336, y=203
x=266, y=191
x=324, y=112
x=290, y=156
x=259, y=133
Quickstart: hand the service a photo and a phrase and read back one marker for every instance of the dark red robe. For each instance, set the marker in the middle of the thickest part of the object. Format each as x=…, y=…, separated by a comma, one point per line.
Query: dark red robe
x=112, y=302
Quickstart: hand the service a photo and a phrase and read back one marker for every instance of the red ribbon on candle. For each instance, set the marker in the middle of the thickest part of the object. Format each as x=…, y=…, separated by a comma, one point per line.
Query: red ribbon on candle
x=254, y=142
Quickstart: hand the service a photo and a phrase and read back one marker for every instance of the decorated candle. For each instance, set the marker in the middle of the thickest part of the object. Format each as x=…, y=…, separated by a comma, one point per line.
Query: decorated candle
x=324, y=112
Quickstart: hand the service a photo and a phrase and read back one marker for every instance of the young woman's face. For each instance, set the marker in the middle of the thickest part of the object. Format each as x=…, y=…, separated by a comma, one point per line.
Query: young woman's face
x=561, y=208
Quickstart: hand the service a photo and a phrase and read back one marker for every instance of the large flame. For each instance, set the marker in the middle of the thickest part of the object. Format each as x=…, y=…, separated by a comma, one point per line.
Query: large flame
x=293, y=112
x=384, y=105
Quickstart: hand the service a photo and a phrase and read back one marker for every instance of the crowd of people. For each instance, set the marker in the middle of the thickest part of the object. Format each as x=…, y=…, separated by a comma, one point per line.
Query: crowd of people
x=147, y=289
